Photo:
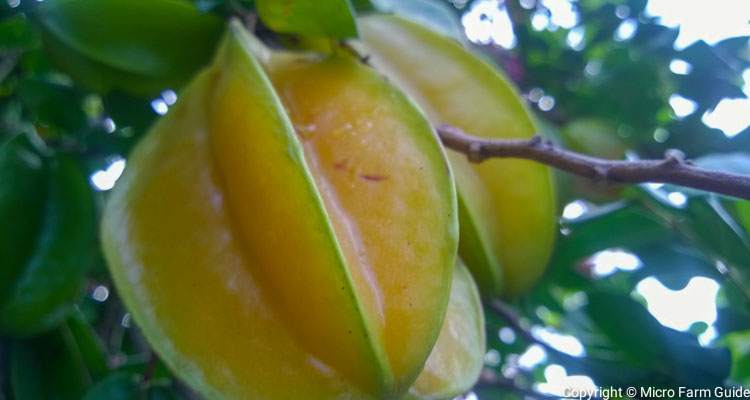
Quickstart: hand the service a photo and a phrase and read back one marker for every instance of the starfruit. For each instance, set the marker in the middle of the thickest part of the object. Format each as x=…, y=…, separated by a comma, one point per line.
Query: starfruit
x=507, y=207
x=290, y=245
x=457, y=358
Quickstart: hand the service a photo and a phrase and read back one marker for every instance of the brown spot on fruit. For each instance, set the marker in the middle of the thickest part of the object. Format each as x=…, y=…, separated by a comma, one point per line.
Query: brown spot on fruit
x=373, y=177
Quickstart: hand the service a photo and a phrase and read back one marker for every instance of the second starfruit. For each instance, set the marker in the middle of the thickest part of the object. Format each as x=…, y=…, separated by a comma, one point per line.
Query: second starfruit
x=289, y=230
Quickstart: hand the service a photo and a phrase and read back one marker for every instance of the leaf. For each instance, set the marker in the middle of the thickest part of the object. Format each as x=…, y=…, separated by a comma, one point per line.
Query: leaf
x=594, y=136
x=162, y=393
x=437, y=15
x=88, y=344
x=48, y=367
x=100, y=77
x=331, y=18
x=363, y=5
x=16, y=34
x=674, y=264
x=616, y=225
x=51, y=280
x=153, y=39
x=743, y=212
x=713, y=228
x=22, y=193
x=53, y=104
x=117, y=386
x=738, y=342
x=675, y=356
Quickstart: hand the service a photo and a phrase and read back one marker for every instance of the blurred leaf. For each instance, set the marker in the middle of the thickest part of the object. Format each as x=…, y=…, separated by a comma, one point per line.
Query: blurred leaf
x=22, y=193
x=131, y=111
x=712, y=227
x=628, y=325
x=739, y=343
x=363, y=5
x=16, y=34
x=731, y=319
x=674, y=265
x=617, y=225
x=593, y=136
x=48, y=367
x=332, y=18
x=131, y=39
x=436, y=14
x=44, y=292
x=88, y=344
x=676, y=355
x=117, y=386
x=97, y=76
x=743, y=210
x=53, y=104
x=162, y=393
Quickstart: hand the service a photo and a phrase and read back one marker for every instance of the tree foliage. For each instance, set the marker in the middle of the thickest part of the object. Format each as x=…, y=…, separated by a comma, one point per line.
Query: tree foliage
x=67, y=336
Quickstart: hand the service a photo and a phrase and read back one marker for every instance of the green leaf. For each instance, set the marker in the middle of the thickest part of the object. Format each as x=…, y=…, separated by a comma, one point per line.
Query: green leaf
x=100, y=77
x=616, y=225
x=594, y=136
x=331, y=18
x=22, y=193
x=52, y=278
x=738, y=342
x=708, y=223
x=48, y=367
x=438, y=15
x=743, y=211
x=117, y=386
x=88, y=344
x=162, y=393
x=674, y=264
x=145, y=39
x=53, y=104
x=675, y=357
x=16, y=34
x=363, y=5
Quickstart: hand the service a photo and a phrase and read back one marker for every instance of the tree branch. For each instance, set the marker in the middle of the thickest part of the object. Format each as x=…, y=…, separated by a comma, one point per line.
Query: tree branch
x=514, y=322
x=672, y=169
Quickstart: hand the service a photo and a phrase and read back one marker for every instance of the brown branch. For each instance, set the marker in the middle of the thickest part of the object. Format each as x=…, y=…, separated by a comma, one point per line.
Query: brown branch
x=672, y=169
x=514, y=322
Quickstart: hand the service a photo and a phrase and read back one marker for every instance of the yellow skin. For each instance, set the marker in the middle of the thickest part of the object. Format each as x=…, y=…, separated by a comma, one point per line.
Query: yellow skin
x=261, y=265
x=507, y=207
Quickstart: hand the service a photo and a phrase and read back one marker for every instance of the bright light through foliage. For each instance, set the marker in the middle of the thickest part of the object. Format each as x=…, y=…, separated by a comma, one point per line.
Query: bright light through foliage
x=732, y=116
x=679, y=309
x=105, y=179
x=488, y=22
x=710, y=21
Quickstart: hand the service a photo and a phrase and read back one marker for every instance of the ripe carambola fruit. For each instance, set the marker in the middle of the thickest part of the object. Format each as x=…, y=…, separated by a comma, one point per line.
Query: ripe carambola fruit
x=264, y=263
x=458, y=356
x=507, y=207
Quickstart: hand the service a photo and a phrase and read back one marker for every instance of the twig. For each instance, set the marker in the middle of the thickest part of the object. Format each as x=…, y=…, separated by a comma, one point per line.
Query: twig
x=514, y=321
x=672, y=169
